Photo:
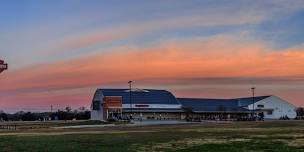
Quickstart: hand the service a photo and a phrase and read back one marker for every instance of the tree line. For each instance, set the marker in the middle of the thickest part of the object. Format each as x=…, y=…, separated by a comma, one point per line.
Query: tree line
x=300, y=113
x=67, y=114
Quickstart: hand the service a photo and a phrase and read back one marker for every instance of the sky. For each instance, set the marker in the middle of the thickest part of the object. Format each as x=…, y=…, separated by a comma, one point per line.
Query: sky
x=60, y=51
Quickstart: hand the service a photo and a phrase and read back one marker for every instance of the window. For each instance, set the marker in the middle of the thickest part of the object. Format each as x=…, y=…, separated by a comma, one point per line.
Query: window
x=260, y=106
x=269, y=112
x=96, y=105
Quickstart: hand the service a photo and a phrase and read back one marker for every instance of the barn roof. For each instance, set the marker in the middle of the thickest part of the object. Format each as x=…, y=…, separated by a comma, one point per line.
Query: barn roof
x=153, y=96
x=141, y=96
x=248, y=100
x=214, y=105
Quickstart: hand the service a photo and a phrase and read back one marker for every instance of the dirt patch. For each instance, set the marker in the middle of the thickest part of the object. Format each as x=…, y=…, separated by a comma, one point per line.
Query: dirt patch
x=279, y=136
x=293, y=143
x=68, y=133
x=296, y=142
x=231, y=129
x=184, y=143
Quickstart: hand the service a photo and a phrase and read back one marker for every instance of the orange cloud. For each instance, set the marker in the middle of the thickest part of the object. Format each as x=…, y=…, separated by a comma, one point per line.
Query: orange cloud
x=216, y=57
x=100, y=36
x=192, y=59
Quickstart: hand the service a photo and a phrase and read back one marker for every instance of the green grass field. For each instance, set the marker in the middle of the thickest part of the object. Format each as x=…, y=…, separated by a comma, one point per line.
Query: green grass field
x=274, y=136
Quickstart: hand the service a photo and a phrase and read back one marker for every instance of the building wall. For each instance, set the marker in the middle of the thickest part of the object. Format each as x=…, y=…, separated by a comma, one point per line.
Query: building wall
x=157, y=106
x=97, y=115
x=114, y=103
x=279, y=106
x=154, y=115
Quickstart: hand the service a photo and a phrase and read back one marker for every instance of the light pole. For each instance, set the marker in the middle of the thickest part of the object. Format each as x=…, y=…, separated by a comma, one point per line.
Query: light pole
x=130, y=87
x=253, y=112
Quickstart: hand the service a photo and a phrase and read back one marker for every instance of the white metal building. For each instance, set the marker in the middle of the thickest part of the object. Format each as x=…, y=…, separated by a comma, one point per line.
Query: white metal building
x=274, y=107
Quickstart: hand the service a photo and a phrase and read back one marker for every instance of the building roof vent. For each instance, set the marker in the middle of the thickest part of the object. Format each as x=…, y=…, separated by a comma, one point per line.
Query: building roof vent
x=137, y=90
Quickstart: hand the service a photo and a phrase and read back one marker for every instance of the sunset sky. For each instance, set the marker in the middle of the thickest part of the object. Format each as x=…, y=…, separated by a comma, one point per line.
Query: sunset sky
x=60, y=51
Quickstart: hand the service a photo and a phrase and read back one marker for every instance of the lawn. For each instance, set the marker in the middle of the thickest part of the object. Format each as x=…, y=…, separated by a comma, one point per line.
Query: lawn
x=236, y=136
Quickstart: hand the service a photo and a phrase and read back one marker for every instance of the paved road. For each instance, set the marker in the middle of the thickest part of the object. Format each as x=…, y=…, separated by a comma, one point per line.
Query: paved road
x=158, y=122
x=85, y=126
x=134, y=123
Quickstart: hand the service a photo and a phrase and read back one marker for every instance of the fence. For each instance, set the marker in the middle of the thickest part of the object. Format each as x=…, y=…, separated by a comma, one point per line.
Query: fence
x=8, y=127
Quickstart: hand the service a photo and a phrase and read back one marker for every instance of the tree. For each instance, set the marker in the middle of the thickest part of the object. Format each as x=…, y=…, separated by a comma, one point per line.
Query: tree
x=84, y=115
x=3, y=116
x=222, y=109
x=82, y=109
x=66, y=114
x=300, y=112
x=28, y=117
x=68, y=109
x=188, y=111
x=261, y=116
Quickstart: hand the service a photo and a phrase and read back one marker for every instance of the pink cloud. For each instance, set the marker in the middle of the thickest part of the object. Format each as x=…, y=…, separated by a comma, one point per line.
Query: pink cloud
x=217, y=57
x=99, y=36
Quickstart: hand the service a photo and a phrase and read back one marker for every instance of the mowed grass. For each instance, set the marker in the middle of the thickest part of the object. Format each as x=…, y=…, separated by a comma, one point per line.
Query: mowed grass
x=275, y=136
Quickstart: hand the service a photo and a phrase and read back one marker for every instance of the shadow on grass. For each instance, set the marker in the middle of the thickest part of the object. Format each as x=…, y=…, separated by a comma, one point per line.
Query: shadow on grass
x=252, y=146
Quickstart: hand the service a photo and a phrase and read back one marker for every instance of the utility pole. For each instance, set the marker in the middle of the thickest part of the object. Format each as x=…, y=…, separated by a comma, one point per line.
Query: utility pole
x=253, y=102
x=130, y=87
x=51, y=108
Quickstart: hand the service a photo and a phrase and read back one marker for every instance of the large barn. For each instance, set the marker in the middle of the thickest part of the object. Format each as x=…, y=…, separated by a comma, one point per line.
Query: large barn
x=146, y=103
x=163, y=105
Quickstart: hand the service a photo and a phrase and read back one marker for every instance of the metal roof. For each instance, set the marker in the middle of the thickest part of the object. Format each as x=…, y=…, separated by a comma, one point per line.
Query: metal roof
x=217, y=105
x=248, y=100
x=152, y=96
x=145, y=96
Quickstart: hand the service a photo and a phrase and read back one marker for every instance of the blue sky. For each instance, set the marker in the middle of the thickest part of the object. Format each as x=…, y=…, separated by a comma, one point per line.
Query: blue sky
x=40, y=25
x=223, y=34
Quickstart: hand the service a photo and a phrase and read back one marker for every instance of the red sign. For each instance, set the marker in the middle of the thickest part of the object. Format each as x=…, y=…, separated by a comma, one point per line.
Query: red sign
x=3, y=66
x=141, y=106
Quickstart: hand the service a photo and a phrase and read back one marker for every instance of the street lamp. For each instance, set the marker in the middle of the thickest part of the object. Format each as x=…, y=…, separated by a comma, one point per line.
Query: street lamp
x=253, y=112
x=130, y=87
